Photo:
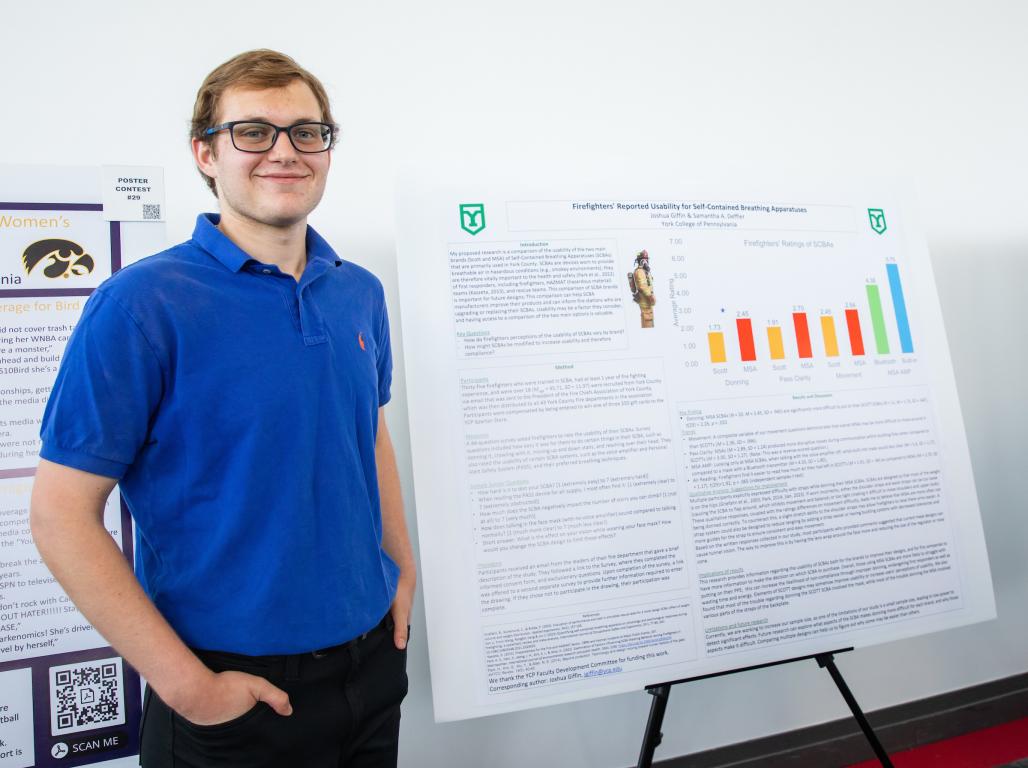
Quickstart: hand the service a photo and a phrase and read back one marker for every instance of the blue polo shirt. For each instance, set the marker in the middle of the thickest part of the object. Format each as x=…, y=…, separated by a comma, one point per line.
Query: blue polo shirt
x=238, y=409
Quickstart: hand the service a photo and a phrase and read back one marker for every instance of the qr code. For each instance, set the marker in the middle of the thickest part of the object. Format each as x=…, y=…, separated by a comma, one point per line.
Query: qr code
x=86, y=696
x=151, y=212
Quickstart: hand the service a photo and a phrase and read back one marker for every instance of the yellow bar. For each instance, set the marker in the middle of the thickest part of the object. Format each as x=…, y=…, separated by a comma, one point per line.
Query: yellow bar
x=716, y=339
x=828, y=331
x=774, y=340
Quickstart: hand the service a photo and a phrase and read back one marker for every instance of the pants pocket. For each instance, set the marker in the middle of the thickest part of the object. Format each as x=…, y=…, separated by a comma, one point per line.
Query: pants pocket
x=236, y=742
x=235, y=722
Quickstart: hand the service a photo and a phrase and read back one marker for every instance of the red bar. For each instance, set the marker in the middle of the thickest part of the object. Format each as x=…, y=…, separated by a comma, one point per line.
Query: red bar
x=856, y=337
x=745, y=328
x=799, y=322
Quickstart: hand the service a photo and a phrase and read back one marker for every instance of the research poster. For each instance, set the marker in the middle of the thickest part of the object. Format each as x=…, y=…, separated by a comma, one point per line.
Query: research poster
x=66, y=698
x=663, y=432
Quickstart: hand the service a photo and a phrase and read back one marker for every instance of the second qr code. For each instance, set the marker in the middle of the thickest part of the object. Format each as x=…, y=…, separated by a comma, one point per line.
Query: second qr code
x=87, y=695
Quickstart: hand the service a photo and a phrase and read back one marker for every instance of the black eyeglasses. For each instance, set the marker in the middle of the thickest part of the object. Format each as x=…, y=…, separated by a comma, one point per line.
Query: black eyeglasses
x=258, y=136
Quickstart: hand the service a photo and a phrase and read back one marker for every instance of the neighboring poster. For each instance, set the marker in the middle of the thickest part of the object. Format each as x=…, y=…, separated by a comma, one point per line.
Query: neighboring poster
x=66, y=698
x=664, y=434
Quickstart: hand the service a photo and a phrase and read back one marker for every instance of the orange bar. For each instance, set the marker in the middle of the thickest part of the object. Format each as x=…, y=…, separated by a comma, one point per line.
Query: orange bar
x=716, y=340
x=828, y=333
x=799, y=322
x=856, y=337
x=746, y=346
x=774, y=340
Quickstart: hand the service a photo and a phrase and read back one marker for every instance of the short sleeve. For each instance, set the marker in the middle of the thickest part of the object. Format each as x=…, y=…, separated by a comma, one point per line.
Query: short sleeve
x=384, y=361
x=109, y=385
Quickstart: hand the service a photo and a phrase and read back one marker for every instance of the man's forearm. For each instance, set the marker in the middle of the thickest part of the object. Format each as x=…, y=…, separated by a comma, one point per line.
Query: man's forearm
x=395, y=538
x=67, y=523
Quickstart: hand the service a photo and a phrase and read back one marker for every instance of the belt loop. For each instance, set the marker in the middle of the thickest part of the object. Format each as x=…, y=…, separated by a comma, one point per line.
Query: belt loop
x=293, y=667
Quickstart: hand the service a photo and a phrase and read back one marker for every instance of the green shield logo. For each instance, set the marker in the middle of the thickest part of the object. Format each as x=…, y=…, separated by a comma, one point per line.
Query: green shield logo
x=877, y=217
x=472, y=217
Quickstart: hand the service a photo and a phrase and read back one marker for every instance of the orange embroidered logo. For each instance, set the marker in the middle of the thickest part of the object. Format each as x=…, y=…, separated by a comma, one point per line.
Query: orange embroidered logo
x=360, y=340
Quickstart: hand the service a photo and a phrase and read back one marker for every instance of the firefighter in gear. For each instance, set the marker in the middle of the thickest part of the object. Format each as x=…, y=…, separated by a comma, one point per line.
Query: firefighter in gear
x=641, y=282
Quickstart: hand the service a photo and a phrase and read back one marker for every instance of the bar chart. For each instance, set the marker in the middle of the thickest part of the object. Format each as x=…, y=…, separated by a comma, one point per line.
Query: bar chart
x=830, y=332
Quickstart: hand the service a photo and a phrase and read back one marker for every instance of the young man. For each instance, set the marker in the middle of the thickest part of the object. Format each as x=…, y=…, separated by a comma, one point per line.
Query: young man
x=233, y=387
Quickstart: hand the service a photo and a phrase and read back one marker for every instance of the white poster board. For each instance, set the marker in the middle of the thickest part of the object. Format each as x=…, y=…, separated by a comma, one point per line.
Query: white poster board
x=65, y=695
x=777, y=467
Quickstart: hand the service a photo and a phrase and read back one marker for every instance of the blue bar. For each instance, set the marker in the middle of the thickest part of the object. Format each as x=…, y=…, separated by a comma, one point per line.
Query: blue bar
x=900, y=306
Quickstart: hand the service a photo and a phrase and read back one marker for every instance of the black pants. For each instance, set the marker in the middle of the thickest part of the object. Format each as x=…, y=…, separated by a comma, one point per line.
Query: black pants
x=346, y=712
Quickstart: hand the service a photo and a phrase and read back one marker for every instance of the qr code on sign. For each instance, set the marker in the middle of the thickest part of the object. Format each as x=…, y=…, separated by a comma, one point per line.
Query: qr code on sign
x=86, y=696
x=151, y=212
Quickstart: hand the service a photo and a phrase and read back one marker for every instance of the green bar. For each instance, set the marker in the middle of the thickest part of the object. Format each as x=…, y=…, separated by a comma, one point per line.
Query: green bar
x=877, y=319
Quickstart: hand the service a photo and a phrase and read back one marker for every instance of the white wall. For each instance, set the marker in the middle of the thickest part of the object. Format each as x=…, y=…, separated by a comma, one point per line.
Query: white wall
x=933, y=91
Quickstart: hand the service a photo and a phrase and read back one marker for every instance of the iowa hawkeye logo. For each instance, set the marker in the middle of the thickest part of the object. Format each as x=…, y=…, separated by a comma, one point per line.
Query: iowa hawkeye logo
x=60, y=258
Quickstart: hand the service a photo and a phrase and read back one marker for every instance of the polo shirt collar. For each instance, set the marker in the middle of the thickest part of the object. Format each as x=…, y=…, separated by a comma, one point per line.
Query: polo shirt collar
x=207, y=235
x=317, y=248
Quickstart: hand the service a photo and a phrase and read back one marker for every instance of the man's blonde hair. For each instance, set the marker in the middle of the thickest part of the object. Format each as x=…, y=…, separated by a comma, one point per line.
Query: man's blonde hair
x=262, y=68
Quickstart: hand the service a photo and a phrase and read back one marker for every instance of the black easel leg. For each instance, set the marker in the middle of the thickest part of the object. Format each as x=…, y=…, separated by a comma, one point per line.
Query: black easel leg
x=827, y=661
x=652, y=737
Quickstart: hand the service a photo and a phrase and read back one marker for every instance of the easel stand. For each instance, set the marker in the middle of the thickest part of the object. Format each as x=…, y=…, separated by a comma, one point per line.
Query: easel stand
x=652, y=737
